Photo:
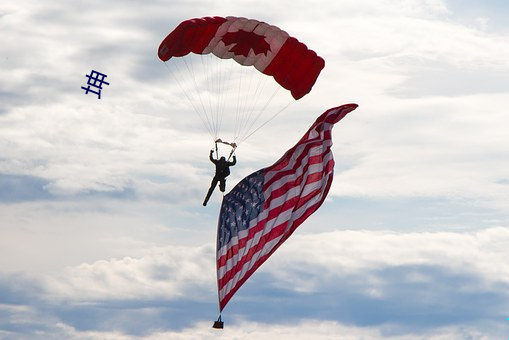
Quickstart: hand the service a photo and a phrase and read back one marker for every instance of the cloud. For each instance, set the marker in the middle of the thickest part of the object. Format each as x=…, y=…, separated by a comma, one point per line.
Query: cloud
x=377, y=283
x=478, y=253
x=315, y=329
x=412, y=281
x=371, y=284
x=167, y=273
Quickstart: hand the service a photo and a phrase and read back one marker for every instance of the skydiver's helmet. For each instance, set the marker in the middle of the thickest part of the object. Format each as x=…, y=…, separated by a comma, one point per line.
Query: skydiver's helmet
x=222, y=159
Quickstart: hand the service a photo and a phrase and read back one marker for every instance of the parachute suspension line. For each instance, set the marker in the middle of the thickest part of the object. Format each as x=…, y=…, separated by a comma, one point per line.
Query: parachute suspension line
x=218, y=75
x=207, y=81
x=253, y=99
x=261, y=111
x=240, y=105
x=250, y=101
x=196, y=109
x=211, y=84
x=267, y=121
x=224, y=69
x=191, y=70
x=213, y=91
x=244, y=110
x=227, y=98
x=216, y=93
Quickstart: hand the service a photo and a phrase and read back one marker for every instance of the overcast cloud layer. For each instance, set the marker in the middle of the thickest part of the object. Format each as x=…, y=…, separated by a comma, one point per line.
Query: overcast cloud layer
x=102, y=232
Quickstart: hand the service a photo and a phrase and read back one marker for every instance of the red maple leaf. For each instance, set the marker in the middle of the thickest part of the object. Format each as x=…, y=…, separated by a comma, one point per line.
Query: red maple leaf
x=246, y=41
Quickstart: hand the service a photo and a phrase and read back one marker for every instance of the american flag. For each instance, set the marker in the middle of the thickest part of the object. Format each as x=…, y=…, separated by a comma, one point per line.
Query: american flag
x=266, y=207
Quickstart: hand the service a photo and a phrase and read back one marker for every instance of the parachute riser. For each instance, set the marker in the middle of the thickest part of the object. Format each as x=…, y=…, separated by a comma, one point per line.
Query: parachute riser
x=233, y=145
x=231, y=153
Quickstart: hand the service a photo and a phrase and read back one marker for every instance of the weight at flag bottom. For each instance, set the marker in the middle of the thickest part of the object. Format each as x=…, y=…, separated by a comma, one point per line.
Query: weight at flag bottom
x=265, y=208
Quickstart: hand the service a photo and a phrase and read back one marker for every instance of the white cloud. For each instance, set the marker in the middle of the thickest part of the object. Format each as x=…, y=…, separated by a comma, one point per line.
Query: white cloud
x=308, y=263
x=318, y=329
x=339, y=253
x=162, y=273
x=45, y=237
x=438, y=274
x=307, y=329
x=450, y=148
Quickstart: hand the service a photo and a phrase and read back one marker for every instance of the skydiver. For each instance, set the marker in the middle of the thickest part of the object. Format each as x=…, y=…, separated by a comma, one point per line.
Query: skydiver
x=222, y=171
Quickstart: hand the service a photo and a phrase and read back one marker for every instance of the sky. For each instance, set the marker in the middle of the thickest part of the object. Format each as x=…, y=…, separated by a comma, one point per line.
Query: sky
x=102, y=231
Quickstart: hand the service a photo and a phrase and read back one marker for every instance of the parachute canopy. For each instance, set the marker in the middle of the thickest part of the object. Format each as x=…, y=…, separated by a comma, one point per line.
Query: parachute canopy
x=250, y=43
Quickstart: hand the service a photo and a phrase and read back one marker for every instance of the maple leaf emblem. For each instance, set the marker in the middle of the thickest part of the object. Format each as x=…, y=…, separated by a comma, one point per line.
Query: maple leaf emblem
x=246, y=41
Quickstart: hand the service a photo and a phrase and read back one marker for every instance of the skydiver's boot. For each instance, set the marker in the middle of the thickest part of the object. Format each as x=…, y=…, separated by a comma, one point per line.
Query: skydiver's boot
x=207, y=198
x=209, y=193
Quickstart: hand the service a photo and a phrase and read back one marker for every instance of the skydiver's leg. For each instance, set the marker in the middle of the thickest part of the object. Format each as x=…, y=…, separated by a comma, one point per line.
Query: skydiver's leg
x=211, y=189
x=222, y=184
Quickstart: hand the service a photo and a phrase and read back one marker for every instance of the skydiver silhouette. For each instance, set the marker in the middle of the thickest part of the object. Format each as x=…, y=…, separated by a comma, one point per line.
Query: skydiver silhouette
x=222, y=171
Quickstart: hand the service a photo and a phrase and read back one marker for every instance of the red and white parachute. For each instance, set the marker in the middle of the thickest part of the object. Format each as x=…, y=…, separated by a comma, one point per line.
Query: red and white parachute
x=238, y=99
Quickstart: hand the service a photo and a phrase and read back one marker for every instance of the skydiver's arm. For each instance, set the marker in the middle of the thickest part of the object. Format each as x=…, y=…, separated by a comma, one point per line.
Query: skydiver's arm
x=234, y=161
x=210, y=156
